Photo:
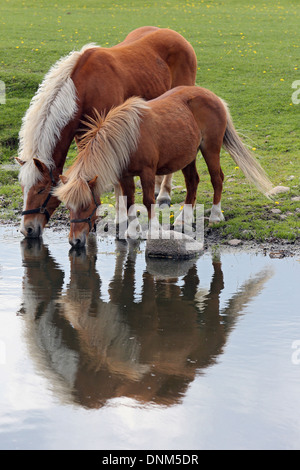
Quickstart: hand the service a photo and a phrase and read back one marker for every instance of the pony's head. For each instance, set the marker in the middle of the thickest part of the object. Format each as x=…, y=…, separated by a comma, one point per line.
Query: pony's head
x=37, y=182
x=80, y=198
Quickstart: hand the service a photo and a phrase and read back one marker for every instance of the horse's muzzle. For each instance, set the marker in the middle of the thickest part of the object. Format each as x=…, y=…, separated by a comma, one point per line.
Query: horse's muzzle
x=30, y=231
x=78, y=242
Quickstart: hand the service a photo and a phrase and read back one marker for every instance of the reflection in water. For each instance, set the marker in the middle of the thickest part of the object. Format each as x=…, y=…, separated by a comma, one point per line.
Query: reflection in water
x=148, y=348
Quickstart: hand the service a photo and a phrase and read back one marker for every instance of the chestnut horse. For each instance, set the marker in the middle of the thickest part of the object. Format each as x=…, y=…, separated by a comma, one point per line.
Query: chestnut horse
x=157, y=137
x=147, y=63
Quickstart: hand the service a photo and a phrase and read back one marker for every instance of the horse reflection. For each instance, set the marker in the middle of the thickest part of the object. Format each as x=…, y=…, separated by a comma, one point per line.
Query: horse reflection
x=106, y=341
x=50, y=338
x=43, y=280
x=149, y=346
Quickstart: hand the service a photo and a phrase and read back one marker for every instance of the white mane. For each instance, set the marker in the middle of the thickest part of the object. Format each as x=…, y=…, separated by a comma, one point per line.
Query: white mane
x=50, y=110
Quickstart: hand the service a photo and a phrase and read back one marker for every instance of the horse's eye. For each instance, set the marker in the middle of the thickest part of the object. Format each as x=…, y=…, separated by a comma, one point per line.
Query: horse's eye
x=41, y=190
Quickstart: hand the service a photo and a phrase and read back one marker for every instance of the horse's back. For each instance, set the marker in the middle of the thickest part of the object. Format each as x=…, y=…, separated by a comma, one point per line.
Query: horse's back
x=194, y=107
x=169, y=133
x=156, y=61
x=182, y=114
x=208, y=110
x=196, y=98
x=175, y=51
x=147, y=63
x=137, y=34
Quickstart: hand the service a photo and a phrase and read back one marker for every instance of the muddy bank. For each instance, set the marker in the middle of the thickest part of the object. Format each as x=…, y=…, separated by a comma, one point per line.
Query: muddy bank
x=275, y=247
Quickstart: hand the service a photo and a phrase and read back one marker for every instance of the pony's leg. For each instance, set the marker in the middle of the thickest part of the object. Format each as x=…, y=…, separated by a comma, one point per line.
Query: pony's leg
x=148, y=185
x=158, y=183
x=121, y=205
x=164, y=195
x=192, y=179
x=121, y=212
x=211, y=154
x=128, y=189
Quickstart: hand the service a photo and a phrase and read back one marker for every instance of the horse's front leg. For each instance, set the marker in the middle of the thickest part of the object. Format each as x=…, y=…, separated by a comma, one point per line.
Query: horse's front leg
x=128, y=188
x=163, y=188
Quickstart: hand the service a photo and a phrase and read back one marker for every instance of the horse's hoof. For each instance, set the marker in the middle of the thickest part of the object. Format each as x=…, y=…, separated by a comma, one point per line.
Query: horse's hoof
x=164, y=202
x=211, y=223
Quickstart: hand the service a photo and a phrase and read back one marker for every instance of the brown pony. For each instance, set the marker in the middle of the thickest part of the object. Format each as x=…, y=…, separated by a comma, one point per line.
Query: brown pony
x=157, y=137
x=147, y=63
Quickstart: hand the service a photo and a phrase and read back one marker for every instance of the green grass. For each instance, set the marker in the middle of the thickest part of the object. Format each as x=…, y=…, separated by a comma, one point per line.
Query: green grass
x=247, y=53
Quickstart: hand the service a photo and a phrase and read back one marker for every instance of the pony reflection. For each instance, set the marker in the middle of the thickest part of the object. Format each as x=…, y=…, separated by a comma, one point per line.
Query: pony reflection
x=148, y=340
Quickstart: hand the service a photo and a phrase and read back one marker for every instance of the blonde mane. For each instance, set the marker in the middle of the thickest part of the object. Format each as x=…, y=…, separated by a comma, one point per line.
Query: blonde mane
x=50, y=110
x=104, y=151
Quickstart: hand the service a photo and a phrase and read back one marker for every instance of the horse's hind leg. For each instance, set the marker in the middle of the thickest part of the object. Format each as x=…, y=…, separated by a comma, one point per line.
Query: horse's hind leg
x=163, y=188
x=191, y=180
x=128, y=189
x=211, y=154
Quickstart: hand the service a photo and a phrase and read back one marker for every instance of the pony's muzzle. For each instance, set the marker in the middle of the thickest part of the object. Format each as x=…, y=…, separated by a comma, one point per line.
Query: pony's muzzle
x=77, y=242
x=31, y=231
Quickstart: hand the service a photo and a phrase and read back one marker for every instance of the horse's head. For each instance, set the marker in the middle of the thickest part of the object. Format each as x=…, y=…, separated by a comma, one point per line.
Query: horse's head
x=39, y=204
x=83, y=214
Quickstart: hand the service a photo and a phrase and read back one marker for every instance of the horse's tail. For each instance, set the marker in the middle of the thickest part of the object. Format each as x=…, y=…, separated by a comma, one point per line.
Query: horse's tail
x=243, y=158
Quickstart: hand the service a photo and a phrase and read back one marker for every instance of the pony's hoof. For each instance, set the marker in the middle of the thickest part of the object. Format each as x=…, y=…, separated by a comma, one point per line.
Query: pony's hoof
x=216, y=217
x=215, y=221
x=164, y=202
x=178, y=226
x=134, y=234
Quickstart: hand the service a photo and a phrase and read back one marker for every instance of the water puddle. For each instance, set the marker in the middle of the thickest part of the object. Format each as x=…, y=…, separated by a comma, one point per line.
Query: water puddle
x=104, y=349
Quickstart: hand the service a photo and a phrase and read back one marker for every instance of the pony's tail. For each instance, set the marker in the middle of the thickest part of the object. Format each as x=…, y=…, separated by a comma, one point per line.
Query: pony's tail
x=244, y=159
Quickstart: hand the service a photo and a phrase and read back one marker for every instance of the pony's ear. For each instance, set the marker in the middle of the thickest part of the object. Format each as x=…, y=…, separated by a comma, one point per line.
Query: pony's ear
x=20, y=161
x=40, y=165
x=92, y=182
x=63, y=179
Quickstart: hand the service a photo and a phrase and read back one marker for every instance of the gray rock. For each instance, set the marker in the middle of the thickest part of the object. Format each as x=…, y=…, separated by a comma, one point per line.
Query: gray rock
x=174, y=245
x=278, y=190
x=168, y=268
x=276, y=211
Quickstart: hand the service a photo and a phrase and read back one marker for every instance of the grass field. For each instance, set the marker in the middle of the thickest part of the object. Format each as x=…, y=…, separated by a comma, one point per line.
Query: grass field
x=247, y=53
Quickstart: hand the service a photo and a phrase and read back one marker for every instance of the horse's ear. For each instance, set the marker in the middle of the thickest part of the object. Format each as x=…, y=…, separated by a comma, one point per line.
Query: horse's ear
x=40, y=165
x=20, y=161
x=92, y=182
x=63, y=179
